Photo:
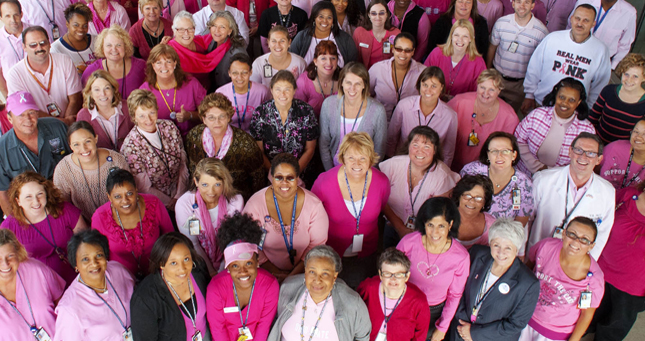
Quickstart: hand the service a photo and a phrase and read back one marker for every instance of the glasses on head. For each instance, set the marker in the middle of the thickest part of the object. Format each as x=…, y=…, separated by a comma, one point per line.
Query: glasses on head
x=397, y=275
x=469, y=197
x=400, y=50
x=637, y=133
x=289, y=178
x=380, y=14
x=503, y=152
x=580, y=151
x=41, y=43
x=184, y=30
x=581, y=240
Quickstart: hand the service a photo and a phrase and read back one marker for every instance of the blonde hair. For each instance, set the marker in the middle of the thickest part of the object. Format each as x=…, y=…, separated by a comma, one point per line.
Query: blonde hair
x=141, y=98
x=215, y=167
x=493, y=75
x=471, y=49
x=215, y=100
x=631, y=60
x=118, y=32
x=8, y=237
x=145, y=2
x=362, y=143
x=88, y=101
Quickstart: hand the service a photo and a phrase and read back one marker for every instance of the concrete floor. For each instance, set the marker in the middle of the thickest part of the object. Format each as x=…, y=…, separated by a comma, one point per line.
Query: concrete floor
x=636, y=334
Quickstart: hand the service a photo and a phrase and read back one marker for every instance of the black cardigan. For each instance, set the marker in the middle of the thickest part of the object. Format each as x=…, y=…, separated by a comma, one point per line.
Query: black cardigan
x=441, y=29
x=154, y=313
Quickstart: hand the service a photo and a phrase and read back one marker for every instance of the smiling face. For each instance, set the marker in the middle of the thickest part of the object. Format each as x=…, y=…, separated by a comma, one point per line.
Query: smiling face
x=353, y=86
x=430, y=90
x=357, y=164
x=340, y=6
x=151, y=12
x=210, y=188
x=32, y=199
x=632, y=79
x=77, y=28
x=324, y=22
x=8, y=262
x=582, y=21
x=283, y=3
x=184, y=32
x=471, y=207
x=25, y=124
x=179, y=265
x=37, y=47
x=102, y=93
x=217, y=3
x=320, y=276
x=463, y=9
x=124, y=198
x=91, y=263
x=244, y=272
x=240, y=74
x=165, y=68
x=523, y=8
x=496, y=153
x=403, y=52
x=393, y=284
x=378, y=15
x=637, y=138
x=566, y=102
x=437, y=230
x=460, y=40
x=574, y=247
x=83, y=145
x=279, y=44
x=283, y=93
x=421, y=152
x=487, y=92
x=326, y=64
x=402, y=4
x=221, y=30
x=217, y=121
x=285, y=180
x=503, y=252
x=582, y=165
x=113, y=48
x=11, y=17
x=146, y=119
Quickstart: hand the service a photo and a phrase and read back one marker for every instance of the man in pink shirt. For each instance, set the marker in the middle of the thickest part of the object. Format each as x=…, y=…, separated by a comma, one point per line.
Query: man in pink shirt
x=47, y=14
x=11, y=51
x=50, y=77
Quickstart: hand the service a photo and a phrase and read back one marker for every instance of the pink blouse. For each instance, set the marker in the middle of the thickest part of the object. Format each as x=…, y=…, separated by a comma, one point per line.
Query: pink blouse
x=307, y=92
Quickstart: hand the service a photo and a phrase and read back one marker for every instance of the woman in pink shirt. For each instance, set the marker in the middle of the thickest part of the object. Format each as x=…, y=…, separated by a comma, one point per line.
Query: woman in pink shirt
x=354, y=193
x=440, y=266
x=294, y=219
x=28, y=307
x=479, y=114
x=96, y=306
x=458, y=59
x=623, y=161
x=42, y=221
x=375, y=39
x=473, y=196
x=571, y=284
x=321, y=77
x=243, y=299
x=106, y=13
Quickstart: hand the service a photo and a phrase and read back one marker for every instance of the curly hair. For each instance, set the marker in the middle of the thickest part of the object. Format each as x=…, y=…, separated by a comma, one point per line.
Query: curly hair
x=467, y=183
x=215, y=167
x=215, y=100
x=239, y=226
x=324, y=47
x=168, y=52
x=571, y=83
x=54, y=206
x=285, y=158
x=631, y=60
x=78, y=8
x=118, y=32
x=88, y=101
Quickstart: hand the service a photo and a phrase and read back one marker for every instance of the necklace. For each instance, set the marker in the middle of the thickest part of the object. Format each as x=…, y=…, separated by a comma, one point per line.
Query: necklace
x=322, y=90
x=302, y=322
x=101, y=291
x=156, y=32
x=427, y=246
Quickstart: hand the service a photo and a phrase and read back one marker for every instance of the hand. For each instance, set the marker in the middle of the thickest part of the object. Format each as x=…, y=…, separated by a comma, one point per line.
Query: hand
x=527, y=105
x=252, y=31
x=183, y=115
x=464, y=330
x=165, y=40
x=438, y=335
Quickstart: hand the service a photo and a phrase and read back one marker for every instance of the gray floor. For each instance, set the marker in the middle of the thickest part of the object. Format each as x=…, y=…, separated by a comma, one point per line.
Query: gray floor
x=636, y=334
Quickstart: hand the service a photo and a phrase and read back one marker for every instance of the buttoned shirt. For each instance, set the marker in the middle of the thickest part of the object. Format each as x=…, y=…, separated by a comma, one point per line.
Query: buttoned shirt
x=507, y=33
x=46, y=13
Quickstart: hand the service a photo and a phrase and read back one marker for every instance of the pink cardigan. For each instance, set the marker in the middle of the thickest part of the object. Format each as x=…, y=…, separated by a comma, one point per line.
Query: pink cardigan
x=125, y=126
x=139, y=40
x=460, y=79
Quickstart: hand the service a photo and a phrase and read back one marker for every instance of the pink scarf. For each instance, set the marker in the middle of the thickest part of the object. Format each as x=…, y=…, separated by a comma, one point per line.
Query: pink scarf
x=194, y=62
x=208, y=239
x=209, y=144
x=99, y=24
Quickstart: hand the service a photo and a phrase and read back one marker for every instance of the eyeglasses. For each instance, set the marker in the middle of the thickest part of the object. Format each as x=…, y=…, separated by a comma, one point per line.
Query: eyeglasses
x=637, y=133
x=184, y=30
x=289, y=178
x=380, y=14
x=579, y=151
x=398, y=275
x=42, y=44
x=469, y=197
x=400, y=50
x=504, y=152
x=573, y=236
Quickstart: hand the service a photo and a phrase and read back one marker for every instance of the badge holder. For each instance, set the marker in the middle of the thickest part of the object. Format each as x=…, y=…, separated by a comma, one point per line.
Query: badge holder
x=194, y=227
x=245, y=334
x=410, y=222
x=381, y=336
x=267, y=219
x=473, y=140
x=197, y=336
x=513, y=47
x=127, y=335
x=387, y=47
x=41, y=334
x=557, y=233
x=268, y=71
x=585, y=299
x=173, y=115
x=53, y=110
x=517, y=199
x=357, y=243
x=55, y=32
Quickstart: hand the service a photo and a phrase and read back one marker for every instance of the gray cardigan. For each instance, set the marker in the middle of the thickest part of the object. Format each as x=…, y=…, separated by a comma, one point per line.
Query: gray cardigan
x=352, y=319
x=344, y=41
x=374, y=123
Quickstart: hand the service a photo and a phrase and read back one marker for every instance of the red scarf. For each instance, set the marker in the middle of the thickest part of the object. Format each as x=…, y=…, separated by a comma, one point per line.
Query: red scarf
x=208, y=239
x=193, y=62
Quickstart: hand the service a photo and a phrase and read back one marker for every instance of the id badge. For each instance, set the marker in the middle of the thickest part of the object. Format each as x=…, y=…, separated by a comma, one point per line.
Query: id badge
x=381, y=336
x=517, y=199
x=246, y=332
x=194, y=227
x=585, y=300
x=387, y=47
x=268, y=71
x=41, y=335
x=197, y=336
x=410, y=222
x=53, y=110
x=513, y=47
x=127, y=335
x=55, y=32
x=473, y=140
x=357, y=243
x=557, y=233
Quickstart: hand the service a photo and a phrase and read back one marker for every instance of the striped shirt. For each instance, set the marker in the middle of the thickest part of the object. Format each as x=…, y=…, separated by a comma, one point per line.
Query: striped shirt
x=505, y=32
x=612, y=117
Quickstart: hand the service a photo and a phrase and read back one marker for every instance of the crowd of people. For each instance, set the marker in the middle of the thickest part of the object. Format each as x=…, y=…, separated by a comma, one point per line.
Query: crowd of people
x=378, y=170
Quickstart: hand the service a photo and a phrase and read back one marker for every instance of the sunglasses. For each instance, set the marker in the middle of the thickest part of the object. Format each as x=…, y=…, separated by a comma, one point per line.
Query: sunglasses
x=42, y=44
x=400, y=50
x=289, y=178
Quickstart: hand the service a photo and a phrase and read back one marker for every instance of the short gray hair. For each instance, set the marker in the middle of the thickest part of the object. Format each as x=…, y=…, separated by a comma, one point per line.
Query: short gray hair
x=235, y=37
x=325, y=251
x=182, y=15
x=506, y=228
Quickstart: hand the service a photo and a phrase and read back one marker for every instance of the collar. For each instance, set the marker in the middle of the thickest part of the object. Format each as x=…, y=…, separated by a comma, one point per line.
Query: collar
x=5, y=34
x=573, y=41
x=94, y=114
x=529, y=24
x=49, y=68
x=573, y=186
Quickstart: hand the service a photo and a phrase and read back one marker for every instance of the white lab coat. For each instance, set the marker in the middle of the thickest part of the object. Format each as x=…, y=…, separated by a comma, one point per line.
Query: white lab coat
x=549, y=192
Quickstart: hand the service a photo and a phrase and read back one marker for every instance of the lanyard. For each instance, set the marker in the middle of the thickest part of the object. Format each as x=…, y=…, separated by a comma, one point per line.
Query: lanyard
x=600, y=19
x=304, y=309
x=14, y=50
x=355, y=120
x=174, y=99
x=52, y=20
x=358, y=214
x=59, y=252
x=51, y=73
x=387, y=317
x=566, y=203
x=163, y=159
x=419, y=116
x=629, y=165
x=137, y=259
x=32, y=327
x=190, y=291
x=28, y=160
x=116, y=125
x=282, y=22
x=323, y=90
x=248, y=306
x=289, y=244
x=282, y=127
x=246, y=106
x=121, y=322
x=481, y=295
x=123, y=80
x=398, y=89
x=412, y=188
x=98, y=182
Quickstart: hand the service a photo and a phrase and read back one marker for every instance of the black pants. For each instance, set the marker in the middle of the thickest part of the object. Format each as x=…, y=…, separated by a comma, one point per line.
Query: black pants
x=616, y=314
x=435, y=314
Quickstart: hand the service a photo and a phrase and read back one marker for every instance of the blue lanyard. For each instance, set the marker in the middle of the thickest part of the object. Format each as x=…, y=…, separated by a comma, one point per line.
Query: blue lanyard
x=122, y=323
x=387, y=317
x=355, y=120
x=246, y=106
x=351, y=197
x=600, y=19
x=289, y=243
x=248, y=306
x=32, y=327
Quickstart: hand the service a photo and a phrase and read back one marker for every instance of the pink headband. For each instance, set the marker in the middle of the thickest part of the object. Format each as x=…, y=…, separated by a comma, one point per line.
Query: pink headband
x=239, y=251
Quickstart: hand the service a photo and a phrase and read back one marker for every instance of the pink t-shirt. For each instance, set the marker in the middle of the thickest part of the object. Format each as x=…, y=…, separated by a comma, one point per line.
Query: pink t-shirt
x=326, y=329
x=245, y=106
x=225, y=318
x=483, y=239
x=43, y=287
x=310, y=229
x=557, y=309
x=614, y=163
x=492, y=11
x=506, y=120
x=190, y=95
x=307, y=92
x=297, y=66
x=441, y=277
x=440, y=180
x=461, y=78
x=132, y=81
x=82, y=315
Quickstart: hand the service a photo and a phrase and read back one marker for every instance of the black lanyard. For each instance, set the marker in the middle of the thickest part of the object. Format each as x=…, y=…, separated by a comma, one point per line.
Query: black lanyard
x=398, y=89
x=566, y=203
x=282, y=22
x=419, y=116
x=60, y=252
x=123, y=82
x=52, y=20
x=481, y=295
x=629, y=165
x=387, y=317
x=411, y=189
x=32, y=327
x=98, y=182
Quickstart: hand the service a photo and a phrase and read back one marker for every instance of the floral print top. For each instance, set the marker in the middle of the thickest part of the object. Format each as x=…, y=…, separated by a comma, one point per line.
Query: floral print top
x=301, y=126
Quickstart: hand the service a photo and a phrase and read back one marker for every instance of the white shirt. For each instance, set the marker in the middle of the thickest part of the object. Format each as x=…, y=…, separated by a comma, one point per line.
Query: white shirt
x=201, y=19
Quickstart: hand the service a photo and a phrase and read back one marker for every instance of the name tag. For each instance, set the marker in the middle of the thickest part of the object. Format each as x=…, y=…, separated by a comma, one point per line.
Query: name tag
x=231, y=310
x=364, y=45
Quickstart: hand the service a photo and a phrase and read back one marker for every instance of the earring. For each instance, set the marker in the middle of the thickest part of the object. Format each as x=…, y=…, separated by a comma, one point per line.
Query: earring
x=76, y=269
x=194, y=265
